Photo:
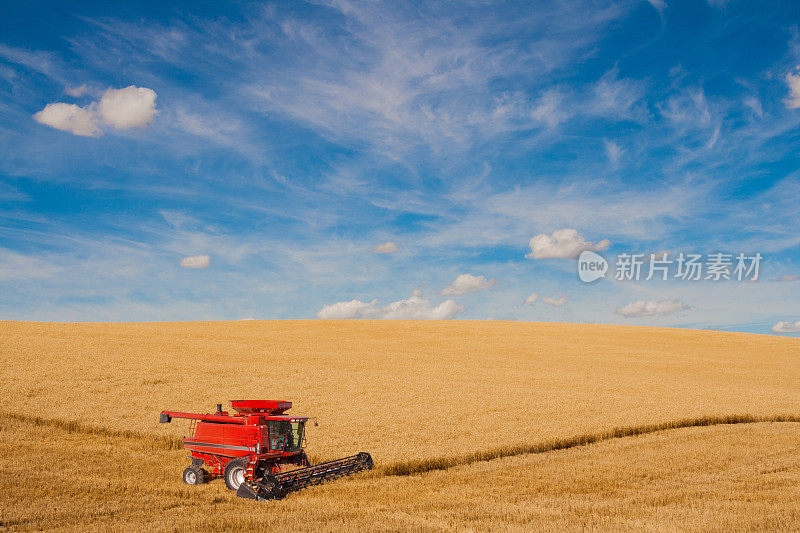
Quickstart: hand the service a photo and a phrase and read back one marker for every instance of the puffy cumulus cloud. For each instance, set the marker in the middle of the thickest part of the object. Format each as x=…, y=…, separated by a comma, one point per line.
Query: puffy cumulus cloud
x=131, y=107
x=787, y=327
x=563, y=244
x=417, y=308
x=793, y=81
x=465, y=284
x=352, y=309
x=641, y=308
x=69, y=117
x=548, y=300
x=413, y=308
x=385, y=248
x=196, y=261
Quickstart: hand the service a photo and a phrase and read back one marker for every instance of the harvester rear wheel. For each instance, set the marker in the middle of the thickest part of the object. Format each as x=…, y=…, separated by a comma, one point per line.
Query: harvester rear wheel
x=234, y=474
x=194, y=475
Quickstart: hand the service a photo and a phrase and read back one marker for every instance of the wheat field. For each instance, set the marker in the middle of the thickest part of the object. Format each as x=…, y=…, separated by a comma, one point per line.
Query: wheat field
x=586, y=426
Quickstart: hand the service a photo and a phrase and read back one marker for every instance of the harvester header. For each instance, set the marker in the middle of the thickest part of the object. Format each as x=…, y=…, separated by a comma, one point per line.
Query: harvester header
x=258, y=450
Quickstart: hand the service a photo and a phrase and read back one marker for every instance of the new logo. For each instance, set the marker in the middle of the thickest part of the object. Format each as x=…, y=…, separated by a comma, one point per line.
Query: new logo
x=591, y=266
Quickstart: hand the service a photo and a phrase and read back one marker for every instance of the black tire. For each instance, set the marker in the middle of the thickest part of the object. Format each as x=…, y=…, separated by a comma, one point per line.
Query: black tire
x=194, y=475
x=234, y=474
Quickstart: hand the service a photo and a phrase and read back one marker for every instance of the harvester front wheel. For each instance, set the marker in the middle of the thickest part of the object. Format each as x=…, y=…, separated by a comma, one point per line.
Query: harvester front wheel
x=234, y=474
x=194, y=475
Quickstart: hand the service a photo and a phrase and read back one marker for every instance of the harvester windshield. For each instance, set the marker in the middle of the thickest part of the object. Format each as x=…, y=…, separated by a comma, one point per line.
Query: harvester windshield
x=285, y=435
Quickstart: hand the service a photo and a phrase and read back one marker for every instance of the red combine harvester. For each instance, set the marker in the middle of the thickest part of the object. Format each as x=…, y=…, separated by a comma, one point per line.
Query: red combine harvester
x=258, y=450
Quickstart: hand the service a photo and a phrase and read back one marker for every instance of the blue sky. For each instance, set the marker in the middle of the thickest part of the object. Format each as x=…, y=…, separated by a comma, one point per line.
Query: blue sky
x=269, y=148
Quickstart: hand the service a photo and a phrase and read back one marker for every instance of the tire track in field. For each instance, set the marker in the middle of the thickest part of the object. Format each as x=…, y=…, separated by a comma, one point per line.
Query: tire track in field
x=70, y=426
x=420, y=466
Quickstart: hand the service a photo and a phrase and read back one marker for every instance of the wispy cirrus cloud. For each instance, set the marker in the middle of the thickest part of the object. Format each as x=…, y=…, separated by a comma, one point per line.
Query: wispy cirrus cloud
x=385, y=248
x=613, y=151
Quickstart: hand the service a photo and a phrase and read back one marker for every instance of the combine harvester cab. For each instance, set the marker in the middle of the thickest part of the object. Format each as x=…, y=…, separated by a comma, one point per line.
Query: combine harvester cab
x=258, y=450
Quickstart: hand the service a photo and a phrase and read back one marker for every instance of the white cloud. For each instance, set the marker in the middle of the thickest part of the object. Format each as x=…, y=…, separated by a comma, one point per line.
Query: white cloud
x=548, y=300
x=714, y=138
x=660, y=5
x=563, y=244
x=787, y=327
x=641, y=308
x=405, y=82
x=69, y=117
x=205, y=123
x=131, y=107
x=688, y=109
x=788, y=278
x=549, y=110
x=465, y=284
x=15, y=266
x=793, y=80
x=755, y=105
x=617, y=98
x=555, y=302
x=196, y=261
x=413, y=308
x=352, y=309
x=76, y=91
x=385, y=248
x=417, y=308
x=613, y=151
